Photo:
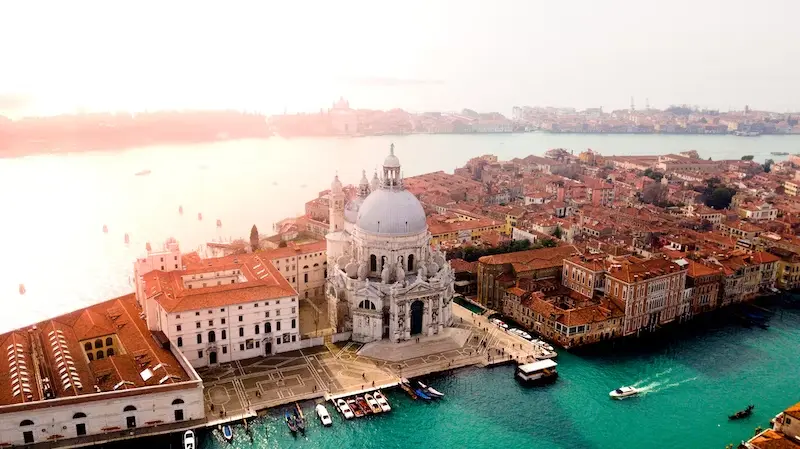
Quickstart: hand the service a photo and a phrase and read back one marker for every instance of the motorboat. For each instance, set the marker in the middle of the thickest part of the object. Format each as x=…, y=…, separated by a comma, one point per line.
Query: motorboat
x=431, y=391
x=499, y=323
x=742, y=413
x=382, y=401
x=373, y=404
x=290, y=422
x=344, y=409
x=422, y=394
x=322, y=414
x=362, y=404
x=227, y=433
x=542, y=371
x=188, y=440
x=355, y=408
x=624, y=392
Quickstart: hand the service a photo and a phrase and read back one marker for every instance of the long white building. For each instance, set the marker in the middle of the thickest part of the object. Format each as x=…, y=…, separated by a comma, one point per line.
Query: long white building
x=93, y=372
x=221, y=309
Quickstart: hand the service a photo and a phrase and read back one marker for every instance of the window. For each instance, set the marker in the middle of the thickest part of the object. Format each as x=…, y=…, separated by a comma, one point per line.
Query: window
x=267, y=328
x=222, y=320
x=180, y=342
x=177, y=401
x=233, y=281
x=278, y=312
x=204, y=285
x=200, y=354
x=197, y=325
x=224, y=334
x=255, y=305
x=373, y=263
x=266, y=315
x=305, y=277
x=212, y=336
x=292, y=279
x=88, y=346
x=240, y=307
x=90, y=355
x=258, y=344
x=241, y=346
x=278, y=301
x=100, y=355
x=109, y=352
x=198, y=313
x=79, y=415
x=293, y=323
x=210, y=312
x=410, y=263
x=199, y=338
x=294, y=338
x=258, y=329
x=277, y=325
x=178, y=316
x=241, y=318
x=241, y=332
x=190, y=286
x=98, y=343
x=295, y=299
x=277, y=341
x=222, y=309
x=129, y=408
x=225, y=349
x=178, y=327
x=249, y=344
x=109, y=341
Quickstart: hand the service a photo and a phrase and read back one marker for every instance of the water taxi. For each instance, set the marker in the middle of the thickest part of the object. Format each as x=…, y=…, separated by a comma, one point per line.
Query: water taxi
x=362, y=404
x=543, y=371
x=322, y=414
x=227, y=433
x=351, y=403
x=188, y=440
x=431, y=391
x=344, y=409
x=373, y=404
x=624, y=392
x=382, y=401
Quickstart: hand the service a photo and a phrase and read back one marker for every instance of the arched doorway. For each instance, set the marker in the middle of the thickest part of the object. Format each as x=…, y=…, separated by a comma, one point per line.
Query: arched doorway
x=416, y=317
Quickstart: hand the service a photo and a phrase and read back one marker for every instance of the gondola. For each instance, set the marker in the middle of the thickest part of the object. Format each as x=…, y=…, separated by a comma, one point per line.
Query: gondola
x=742, y=413
x=227, y=433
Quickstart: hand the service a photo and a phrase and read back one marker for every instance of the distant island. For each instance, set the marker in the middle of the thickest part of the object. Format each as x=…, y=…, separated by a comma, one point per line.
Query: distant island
x=87, y=132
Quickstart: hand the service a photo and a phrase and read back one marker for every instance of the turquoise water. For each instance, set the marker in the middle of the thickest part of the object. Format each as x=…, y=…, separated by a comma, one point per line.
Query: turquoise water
x=468, y=305
x=694, y=382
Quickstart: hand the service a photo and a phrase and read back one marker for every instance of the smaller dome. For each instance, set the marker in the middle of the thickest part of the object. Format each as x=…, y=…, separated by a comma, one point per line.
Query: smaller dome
x=363, y=181
x=336, y=185
x=391, y=160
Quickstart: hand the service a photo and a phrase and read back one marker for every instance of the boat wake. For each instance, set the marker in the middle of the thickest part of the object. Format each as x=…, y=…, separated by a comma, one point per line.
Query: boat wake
x=647, y=379
x=657, y=387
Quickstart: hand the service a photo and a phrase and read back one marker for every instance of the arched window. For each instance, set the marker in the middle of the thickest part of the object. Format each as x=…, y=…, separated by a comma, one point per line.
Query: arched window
x=90, y=355
x=109, y=341
x=99, y=355
x=109, y=352
x=258, y=329
x=129, y=408
x=305, y=267
x=366, y=304
x=373, y=263
x=27, y=422
x=410, y=263
x=212, y=336
x=316, y=265
x=98, y=343
x=267, y=327
x=87, y=346
x=79, y=415
x=177, y=401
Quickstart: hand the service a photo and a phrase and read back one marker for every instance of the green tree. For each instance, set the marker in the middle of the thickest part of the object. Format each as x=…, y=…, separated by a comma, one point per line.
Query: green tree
x=768, y=165
x=254, y=240
x=557, y=232
x=749, y=157
x=720, y=197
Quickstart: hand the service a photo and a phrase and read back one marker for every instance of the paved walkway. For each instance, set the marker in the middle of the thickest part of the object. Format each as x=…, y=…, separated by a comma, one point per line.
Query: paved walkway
x=242, y=388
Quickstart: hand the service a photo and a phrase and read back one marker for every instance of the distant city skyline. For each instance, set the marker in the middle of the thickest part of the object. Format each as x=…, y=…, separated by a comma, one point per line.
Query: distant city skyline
x=301, y=56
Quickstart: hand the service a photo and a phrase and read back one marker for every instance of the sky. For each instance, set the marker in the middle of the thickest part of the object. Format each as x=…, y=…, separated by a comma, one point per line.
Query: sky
x=296, y=55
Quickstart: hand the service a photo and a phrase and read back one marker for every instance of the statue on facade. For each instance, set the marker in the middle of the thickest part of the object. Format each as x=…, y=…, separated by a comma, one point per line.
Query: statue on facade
x=433, y=268
x=385, y=274
x=422, y=272
x=362, y=270
x=351, y=269
x=399, y=273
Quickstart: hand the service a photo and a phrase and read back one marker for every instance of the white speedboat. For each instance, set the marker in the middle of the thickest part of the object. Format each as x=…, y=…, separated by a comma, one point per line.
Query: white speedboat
x=323, y=415
x=188, y=440
x=624, y=392
x=382, y=401
x=433, y=392
x=341, y=404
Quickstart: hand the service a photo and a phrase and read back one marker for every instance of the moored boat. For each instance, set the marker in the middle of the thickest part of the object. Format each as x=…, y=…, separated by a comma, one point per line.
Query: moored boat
x=431, y=391
x=344, y=409
x=290, y=423
x=542, y=371
x=373, y=404
x=624, y=392
x=299, y=418
x=408, y=390
x=188, y=440
x=355, y=408
x=322, y=414
x=742, y=413
x=422, y=394
x=362, y=404
x=382, y=401
x=227, y=433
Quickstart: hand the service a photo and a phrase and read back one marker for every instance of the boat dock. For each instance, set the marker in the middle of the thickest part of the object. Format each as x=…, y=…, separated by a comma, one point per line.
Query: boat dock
x=334, y=397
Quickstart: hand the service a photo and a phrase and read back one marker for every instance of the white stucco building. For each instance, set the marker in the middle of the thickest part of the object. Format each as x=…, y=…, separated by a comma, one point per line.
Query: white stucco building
x=222, y=309
x=384, y=279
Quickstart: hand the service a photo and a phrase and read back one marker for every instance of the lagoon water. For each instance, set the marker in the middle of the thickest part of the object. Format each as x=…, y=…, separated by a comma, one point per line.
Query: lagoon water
x=53, y=208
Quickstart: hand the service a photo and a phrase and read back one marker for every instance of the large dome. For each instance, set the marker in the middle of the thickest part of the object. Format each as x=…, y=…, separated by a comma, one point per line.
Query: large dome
x=391, y=212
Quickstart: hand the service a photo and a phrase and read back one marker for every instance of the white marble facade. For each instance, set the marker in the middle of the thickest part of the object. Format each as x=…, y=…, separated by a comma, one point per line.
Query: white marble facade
x=386, y=281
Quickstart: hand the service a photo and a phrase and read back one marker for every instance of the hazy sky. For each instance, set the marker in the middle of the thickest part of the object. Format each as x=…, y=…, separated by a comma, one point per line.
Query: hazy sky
x=415, y=54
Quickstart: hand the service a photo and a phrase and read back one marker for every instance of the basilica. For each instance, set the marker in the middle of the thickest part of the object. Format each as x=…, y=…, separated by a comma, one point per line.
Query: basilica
x=385, y=279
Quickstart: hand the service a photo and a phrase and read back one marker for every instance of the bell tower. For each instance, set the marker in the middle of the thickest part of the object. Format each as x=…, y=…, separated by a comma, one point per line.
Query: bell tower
x=336, y=206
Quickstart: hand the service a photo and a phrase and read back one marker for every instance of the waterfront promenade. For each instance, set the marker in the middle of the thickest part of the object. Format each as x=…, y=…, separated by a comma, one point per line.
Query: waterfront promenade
x=242, y=389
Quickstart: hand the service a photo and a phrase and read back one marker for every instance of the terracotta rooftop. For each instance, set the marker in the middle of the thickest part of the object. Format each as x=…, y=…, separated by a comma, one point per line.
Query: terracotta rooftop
x=261, y=280
x=771, y=439
x=63, y=358
x=634, y=269
x=534, y=259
